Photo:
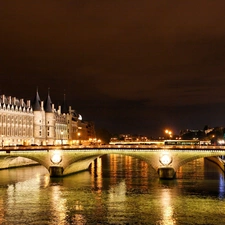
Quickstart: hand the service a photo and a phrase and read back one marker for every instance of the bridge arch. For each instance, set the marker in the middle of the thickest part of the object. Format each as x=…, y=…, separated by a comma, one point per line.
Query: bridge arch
x=77, y=159
x=79, y=163
x=40, y=157
x=195, y=157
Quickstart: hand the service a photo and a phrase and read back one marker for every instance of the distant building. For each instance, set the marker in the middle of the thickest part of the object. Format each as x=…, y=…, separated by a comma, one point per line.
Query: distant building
x=190, y=134
x=40, y=123
x=129, y=137
x=86, y=129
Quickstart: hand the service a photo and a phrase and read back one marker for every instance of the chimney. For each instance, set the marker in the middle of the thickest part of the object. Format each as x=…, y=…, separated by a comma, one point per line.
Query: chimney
x=14, y=100
x=10, y=100
x=3, y=98
x=42, y=105
x=21, y=102
x=28, y=103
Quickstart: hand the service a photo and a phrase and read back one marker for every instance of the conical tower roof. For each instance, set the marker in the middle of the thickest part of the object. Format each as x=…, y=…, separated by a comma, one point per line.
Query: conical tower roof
x=36, y=104
x=48, y=103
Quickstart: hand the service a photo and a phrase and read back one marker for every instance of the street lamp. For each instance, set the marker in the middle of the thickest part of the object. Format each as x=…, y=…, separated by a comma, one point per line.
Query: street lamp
x=165, y=159
x=99, y=141
x=78, y=134
x=169, y=133
x=56, y=157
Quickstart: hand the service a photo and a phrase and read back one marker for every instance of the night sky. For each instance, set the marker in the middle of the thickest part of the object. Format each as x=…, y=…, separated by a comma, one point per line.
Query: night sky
x=131, y=66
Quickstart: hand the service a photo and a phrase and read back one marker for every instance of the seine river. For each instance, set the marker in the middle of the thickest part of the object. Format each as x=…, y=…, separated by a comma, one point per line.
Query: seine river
x=116, y=190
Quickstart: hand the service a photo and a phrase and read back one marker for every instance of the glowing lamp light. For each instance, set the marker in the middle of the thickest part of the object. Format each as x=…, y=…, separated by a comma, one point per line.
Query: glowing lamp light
x=165, y=159
x=221, y=142
x=56, y=158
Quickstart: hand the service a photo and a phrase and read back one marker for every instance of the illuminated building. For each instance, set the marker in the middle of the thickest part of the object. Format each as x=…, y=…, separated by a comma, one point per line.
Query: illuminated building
x=16, y=121
x=39, y=122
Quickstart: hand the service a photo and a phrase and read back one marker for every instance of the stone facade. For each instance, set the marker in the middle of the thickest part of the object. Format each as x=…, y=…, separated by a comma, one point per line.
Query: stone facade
x=16, y=121
x=39, y=123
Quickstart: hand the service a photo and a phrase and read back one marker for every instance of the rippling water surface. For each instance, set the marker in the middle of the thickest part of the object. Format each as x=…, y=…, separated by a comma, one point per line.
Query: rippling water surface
x=116, y=190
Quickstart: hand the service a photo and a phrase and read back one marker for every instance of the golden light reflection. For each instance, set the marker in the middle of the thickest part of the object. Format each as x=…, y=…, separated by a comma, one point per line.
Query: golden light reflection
x=128, y=172
x=58, y=204
x=167, y=208
x=113, y=167
x=99, y=173
x=96, y=173
x=78, y=206
x=2, y=212
x=144, y=169
x=46, y=181
x=128, y=165
x=144, y=174
x=97, y=183
x=118, y=193
x=113, y=163
x=78, y=218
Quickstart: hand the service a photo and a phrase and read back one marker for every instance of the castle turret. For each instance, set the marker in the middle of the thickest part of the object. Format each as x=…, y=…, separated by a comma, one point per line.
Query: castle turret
x=36, y=104
x=49, y=120
x=48, y=104
x=39, y=120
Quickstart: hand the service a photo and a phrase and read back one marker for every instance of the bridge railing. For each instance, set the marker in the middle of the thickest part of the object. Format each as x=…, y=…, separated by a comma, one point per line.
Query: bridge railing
x=155, y=147
x=170, y=146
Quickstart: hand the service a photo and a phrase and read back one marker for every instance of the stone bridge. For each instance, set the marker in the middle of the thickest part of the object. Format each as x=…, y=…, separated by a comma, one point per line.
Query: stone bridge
x=64, y=160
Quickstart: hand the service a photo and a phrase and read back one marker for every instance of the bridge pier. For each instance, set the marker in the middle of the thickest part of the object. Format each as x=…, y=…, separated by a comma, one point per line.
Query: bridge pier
x=166, y=173
x=56, y=171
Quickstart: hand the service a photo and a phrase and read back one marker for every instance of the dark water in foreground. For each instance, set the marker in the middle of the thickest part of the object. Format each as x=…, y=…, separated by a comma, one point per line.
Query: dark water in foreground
x=116, y=190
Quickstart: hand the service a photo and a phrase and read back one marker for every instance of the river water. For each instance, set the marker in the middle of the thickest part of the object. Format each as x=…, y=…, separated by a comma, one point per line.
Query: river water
x=116, y=190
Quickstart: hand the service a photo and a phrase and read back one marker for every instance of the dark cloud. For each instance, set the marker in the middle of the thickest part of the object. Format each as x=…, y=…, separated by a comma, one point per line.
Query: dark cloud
x=131, y=66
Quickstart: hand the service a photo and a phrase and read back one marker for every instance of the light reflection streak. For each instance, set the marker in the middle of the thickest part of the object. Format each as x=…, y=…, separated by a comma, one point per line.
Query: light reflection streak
x=167, y=208
x=113, y=167
x=78, y=217
x=46, y=181
x=118, y=193
x=26, y=186
x=96, y=173
x=99, y=173
x=23, y=193
x=128, y=171
x=97, y=184
x=221, y=186
x=2, y=212
x=144, y=174
x=58, y=204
